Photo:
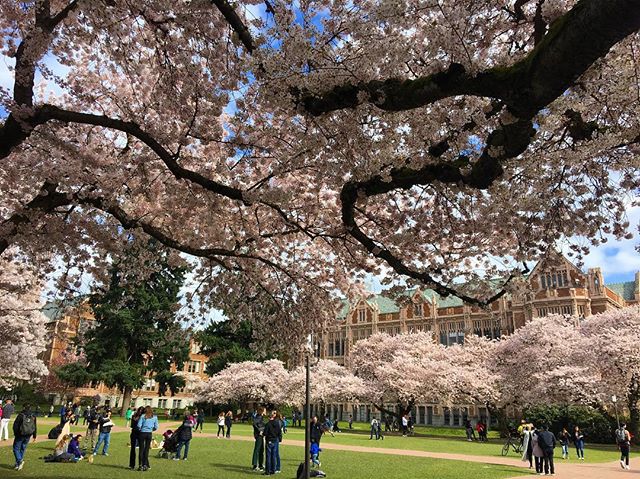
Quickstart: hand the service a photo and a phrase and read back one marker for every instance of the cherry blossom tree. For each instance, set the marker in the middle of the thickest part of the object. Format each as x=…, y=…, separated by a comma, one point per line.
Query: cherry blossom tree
x=248, y=381
x=330, y=383
x=23, y=325
x=611, y=352
x=294, y=151
x=411, y=368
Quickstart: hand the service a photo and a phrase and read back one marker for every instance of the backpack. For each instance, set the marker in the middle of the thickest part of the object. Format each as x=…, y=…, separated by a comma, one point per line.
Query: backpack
x=28, y=425
x=620, y=435
x=300, y=474
x=55, y=432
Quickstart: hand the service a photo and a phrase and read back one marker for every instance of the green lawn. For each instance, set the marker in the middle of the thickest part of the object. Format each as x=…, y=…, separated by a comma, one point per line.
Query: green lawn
x=595, y=453
x=210, y=457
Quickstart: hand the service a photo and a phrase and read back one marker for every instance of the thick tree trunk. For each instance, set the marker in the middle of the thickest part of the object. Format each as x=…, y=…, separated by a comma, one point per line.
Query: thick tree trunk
x=501, y=416
x=402, y=410
x=126, y=400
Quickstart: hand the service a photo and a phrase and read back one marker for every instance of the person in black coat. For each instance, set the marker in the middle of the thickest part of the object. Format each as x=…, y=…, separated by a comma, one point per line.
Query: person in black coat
x=272, y=438
x=133, y=436
x=258, y=434
x=184, y=434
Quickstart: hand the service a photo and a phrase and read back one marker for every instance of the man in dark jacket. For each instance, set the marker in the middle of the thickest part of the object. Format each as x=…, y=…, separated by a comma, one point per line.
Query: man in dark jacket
x=258, y=434
x=24, y=428
x=547, y=441
x=91, y=436
x=273, y=437
x=184, y=435
x=315, y=430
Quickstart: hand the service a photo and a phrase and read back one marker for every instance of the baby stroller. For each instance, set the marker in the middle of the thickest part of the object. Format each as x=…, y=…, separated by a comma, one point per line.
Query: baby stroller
x=169, y=445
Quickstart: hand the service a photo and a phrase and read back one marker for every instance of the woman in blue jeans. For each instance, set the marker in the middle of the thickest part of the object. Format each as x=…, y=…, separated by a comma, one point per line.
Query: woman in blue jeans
x=184, y=435
x=578, y=440
x=147, y=424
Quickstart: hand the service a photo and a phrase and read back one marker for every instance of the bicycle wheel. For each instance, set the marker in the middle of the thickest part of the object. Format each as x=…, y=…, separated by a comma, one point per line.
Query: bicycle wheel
x=505, y=449
x=518, y=448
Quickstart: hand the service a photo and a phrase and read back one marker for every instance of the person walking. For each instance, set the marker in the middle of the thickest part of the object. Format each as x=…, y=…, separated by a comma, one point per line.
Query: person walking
x=350, y=421
x=623, y=438
x=565, y=438
x=7, y=410
x=147, y=424
x=405, y=425
x=24, y=428
x=374, y=429
x=538, y=454
x=184, y=435
x=220, y=425
x=578, y=441
x=228, y=422
x=200, y=420
x=128, y=416
x=257, y=462
x=105, y=425
x=272, y=438
x=527, y=446
x=547, y=442
x=471, y=435
x=134, y=436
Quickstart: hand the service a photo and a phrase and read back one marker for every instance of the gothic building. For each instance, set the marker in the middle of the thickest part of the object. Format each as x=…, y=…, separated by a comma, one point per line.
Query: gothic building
x=553, y=287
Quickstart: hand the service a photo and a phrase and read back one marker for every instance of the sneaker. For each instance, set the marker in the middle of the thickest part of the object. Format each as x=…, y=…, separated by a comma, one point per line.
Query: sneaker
x=105, y=454
x=627, y=467
x=184, y=459
x=176, y=458
x=622, y=464
x=20, y=466
x=278, y=471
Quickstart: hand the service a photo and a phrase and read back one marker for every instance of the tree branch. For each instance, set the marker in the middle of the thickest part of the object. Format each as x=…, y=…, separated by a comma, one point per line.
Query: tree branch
x=572, y=44
x=236, y=23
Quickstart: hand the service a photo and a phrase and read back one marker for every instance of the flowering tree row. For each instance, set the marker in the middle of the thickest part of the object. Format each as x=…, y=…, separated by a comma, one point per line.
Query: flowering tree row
x=290, y=147
x=551, y=360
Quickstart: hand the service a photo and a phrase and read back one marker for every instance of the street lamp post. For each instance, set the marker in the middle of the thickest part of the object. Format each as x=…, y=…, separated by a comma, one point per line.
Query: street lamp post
x=307, y=409
x=614, y=400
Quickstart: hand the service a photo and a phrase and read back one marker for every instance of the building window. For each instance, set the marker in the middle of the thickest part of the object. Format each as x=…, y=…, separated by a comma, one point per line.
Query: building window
x=177, y=404
x=193, y=367
x=150, y=385
x=362, y=315
x=331, y=349
x=162, y=403
x=146, y=402
x=195, y=348
x=417, y=310
x=554, y=279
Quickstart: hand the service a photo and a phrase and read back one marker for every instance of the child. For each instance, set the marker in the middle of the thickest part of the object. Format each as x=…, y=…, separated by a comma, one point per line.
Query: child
x=315, y=454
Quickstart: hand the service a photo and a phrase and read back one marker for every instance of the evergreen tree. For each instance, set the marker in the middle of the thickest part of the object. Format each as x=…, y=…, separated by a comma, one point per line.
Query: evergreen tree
x=225, y=342
x=136, y=332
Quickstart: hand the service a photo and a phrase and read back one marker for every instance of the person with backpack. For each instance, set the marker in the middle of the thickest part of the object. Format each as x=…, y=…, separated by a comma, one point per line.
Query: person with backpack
x=24, y=428
x=538, y=454
x=272, y=438
x=134, y=436
x=257, y=461
x=623, y=438
x=578, y=441
x=147, y=424
x=7, y=410
x=104, y=436
x=547, y=442
x=184, y=434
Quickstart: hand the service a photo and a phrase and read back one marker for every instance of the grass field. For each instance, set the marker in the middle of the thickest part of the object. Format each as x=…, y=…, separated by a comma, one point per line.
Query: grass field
x=596, y=453
x=209, y=457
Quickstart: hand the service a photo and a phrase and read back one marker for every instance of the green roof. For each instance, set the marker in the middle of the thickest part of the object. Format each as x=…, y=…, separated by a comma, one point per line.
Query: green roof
x=385, y=305
x=52, y=311
x=626, y=289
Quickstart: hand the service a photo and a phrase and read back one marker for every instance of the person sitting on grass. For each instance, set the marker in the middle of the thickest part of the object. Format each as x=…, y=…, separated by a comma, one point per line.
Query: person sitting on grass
x=74, y=447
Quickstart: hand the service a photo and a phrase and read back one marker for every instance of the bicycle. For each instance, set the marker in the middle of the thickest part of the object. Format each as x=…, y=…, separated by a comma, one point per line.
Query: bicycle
x=512, y=443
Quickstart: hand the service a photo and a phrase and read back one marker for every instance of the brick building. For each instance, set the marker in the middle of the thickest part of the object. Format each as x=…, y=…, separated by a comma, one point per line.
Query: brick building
x=66, y=322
